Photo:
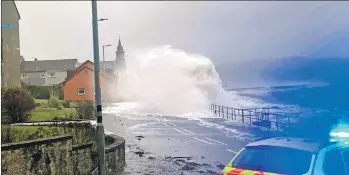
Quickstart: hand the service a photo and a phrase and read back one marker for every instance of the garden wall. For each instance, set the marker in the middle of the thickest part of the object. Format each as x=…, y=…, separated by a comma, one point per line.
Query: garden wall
x=55, y=155
x=114, y=155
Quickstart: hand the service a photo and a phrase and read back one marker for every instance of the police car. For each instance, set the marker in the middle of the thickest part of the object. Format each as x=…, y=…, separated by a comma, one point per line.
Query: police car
x=291, y=156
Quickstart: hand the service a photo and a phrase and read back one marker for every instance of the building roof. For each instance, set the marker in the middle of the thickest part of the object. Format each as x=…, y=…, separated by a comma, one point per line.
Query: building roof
x=46, y=65
x=292, y=142
x=80, y=68
x=19, y=16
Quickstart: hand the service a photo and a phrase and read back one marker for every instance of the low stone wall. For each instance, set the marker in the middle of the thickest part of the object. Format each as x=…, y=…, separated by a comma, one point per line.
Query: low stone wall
x=82, y=159
x=54, y=155
x=42, y=156
x=114, y=155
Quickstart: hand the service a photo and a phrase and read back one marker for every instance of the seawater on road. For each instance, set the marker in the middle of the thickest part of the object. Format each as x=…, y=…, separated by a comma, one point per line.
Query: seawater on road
x=166, y=145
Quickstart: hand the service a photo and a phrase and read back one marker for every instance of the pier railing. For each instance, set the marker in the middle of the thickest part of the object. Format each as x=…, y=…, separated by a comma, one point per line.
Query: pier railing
x=263, y=117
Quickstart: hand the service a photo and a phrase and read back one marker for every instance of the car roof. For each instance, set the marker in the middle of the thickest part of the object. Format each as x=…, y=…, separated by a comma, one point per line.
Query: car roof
x=303, y=144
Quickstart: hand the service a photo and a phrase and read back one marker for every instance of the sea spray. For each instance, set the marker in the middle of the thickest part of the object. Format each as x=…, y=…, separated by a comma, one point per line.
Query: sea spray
x=169, y=81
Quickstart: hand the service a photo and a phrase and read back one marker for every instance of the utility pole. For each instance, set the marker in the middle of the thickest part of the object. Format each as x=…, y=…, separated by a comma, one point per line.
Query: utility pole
x=104, y=46
x=100, y=127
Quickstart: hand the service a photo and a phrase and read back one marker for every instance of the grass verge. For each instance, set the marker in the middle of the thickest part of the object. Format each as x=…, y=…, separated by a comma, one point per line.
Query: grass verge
x=43, y=114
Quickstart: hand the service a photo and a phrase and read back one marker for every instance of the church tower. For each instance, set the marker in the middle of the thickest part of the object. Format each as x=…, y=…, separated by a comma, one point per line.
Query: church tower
x=120, y=57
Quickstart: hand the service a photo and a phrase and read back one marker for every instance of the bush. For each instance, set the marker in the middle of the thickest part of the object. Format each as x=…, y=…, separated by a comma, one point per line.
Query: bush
x=85, y=110
x=16, y=104
x=53, y=102
x=66, y=104
x=70, y=115
x=37, y=104
x=44, y=104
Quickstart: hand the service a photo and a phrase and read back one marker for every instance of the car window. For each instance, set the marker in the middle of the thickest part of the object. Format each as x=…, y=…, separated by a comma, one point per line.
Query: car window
x=333, y=163
x=279, y=160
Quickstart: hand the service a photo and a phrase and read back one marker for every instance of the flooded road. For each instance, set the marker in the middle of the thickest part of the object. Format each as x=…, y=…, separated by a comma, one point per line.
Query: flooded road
x=166, y=145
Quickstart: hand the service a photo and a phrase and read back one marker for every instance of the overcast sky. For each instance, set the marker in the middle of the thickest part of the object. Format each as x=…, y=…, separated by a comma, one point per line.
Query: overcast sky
x=223, y=31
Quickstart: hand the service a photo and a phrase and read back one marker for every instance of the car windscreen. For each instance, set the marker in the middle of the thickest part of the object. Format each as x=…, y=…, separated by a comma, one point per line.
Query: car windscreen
x=279, y=160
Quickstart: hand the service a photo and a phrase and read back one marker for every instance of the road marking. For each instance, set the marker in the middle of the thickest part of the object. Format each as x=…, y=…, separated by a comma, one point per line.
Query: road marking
x=232, y=151
x=141, y=125
x=215, y=141
x=187, y=131
x=172, y=124
x=179, y=131
x=202, y=140
x=165, y=124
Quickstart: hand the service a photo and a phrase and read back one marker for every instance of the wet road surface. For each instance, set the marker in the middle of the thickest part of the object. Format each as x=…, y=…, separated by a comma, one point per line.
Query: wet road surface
x=167, y=145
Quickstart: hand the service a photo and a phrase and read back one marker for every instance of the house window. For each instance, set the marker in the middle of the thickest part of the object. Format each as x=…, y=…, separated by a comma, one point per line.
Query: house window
x=42, y=75
x=52, y=74
x=24, y=75
x=81, y=91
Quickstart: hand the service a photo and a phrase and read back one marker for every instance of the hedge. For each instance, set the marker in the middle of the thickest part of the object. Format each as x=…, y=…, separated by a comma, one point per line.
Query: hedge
x=43, y=91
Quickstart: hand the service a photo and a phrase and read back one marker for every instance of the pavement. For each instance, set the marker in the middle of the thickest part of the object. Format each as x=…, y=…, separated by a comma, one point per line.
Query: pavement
x=168, y=145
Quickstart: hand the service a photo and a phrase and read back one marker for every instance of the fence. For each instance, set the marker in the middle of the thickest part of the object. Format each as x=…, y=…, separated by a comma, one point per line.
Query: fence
x=262, y=117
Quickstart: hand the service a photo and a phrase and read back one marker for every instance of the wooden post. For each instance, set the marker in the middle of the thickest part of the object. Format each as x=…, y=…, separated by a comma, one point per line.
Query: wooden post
x=250, y=117
x=227, y=113
x=219, y=111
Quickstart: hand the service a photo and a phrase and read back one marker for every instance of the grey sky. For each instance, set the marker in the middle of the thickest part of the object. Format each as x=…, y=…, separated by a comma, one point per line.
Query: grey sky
x=223, y=31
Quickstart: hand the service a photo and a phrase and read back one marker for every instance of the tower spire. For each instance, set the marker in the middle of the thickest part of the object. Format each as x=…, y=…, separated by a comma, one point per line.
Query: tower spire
x=120, y=48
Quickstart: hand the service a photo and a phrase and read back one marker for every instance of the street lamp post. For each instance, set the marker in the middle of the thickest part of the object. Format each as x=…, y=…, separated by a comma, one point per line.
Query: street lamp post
x=104, y=46
x=100, y=127
x=103, y=19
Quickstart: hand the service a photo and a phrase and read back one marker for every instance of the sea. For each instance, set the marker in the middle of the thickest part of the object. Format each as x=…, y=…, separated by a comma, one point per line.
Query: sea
x=316, y=88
